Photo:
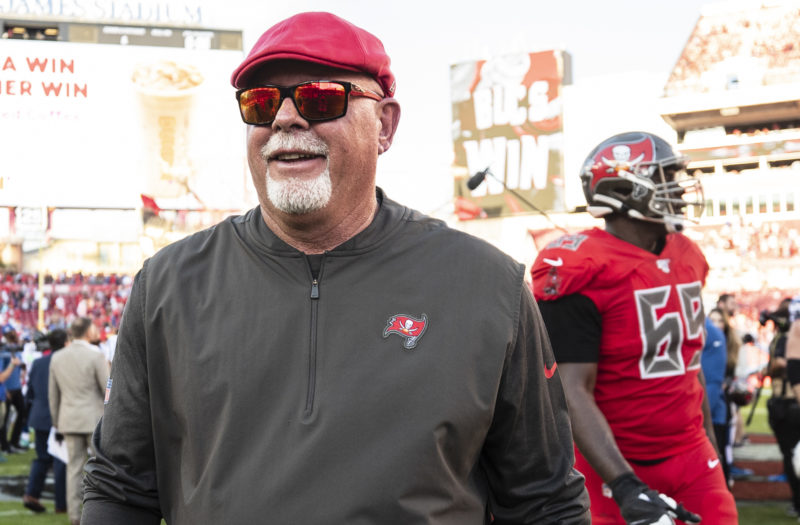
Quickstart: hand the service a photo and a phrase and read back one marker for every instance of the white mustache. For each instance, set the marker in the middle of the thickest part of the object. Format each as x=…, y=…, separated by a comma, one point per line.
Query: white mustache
x=297, y=142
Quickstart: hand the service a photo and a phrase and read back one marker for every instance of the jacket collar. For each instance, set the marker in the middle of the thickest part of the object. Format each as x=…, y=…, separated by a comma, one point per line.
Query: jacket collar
x=253, y=229
x=85, y=344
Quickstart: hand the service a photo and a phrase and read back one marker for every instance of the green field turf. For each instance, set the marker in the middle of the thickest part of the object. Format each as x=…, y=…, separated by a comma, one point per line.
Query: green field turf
x=13, y=513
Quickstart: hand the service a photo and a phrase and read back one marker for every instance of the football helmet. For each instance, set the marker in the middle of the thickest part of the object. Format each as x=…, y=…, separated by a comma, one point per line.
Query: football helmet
x=639, y=174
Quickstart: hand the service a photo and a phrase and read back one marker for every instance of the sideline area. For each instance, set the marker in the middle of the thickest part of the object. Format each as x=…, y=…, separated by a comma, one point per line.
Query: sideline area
x=14, y=475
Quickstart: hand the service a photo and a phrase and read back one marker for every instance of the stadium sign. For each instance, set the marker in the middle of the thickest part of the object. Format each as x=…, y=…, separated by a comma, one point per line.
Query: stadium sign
x=507, y=115
x=94, y=115
x=110, y=10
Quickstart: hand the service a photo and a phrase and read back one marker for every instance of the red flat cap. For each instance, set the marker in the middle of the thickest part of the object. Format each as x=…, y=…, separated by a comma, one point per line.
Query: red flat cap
x=322, y=38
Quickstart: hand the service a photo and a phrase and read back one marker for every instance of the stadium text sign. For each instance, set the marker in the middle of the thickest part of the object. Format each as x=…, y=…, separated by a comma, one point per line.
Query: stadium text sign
x=507, y=116
x=142, y=11
x=142, y=110
x=30, y=67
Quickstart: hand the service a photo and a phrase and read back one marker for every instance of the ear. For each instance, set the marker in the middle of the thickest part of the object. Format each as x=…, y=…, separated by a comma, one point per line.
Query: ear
x=389, y=116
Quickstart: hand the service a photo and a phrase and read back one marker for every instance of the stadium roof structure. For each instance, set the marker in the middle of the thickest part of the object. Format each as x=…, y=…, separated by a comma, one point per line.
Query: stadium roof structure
x=739, y=67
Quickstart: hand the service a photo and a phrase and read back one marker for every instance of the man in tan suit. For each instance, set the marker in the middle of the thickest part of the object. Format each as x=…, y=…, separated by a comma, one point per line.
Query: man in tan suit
x=78, y=377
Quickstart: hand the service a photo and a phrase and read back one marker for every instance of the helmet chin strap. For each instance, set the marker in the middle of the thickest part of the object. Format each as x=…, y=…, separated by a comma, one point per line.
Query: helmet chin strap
x=599, y=211
x=672, y=224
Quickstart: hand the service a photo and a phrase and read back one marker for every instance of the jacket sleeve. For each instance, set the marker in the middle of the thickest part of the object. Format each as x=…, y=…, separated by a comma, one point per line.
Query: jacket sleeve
x=528, y=455
x=53, y=395
x=121, y=483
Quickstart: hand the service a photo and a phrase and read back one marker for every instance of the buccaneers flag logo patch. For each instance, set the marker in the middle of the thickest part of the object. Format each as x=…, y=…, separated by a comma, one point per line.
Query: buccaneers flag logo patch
x=407, y=327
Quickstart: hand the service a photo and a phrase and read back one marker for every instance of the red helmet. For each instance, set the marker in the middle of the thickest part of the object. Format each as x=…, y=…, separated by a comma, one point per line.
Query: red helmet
x=640, y=175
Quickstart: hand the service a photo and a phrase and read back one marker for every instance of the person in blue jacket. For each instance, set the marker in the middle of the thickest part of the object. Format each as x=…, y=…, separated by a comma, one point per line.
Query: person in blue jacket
x=13, y=396
x=40, y=420
x=713, y=360
x=8, y=364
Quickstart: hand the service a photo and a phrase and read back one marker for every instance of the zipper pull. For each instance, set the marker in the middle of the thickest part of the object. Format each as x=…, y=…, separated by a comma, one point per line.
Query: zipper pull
x=315, y=289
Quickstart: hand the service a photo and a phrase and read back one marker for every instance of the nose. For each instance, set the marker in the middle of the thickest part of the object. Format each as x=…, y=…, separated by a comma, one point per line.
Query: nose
x=288, y=117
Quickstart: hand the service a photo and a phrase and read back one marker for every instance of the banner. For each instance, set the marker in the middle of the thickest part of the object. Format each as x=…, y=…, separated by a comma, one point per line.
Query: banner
x=114, y=112
x=507, y=116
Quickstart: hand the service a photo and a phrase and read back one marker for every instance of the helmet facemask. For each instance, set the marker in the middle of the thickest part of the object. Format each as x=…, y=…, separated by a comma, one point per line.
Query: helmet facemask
x=675, y=194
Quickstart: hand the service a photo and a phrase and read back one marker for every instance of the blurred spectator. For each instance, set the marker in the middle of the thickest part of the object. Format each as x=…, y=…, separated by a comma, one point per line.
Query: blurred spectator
x=78, y=377
x=783, y=409
x=40, y=421
x=727, y=304
x=713, y=362
x=734, y=397
x=749, y=365
x=793, y=348
x=8, y=364
x=14, y=397
x=109, y=346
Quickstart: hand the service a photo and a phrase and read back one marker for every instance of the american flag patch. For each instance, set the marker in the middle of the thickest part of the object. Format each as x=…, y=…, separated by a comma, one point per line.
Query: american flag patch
x=108, y=391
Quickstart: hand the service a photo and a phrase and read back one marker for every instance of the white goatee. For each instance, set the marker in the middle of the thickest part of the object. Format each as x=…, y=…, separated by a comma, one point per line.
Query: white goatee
x=298, y=196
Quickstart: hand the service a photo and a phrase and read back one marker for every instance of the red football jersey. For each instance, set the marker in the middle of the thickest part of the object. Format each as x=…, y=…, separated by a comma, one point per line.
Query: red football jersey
x=652, y=333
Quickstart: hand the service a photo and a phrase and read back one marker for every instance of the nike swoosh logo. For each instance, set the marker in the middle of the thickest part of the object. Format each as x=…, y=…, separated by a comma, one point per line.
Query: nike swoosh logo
x=713, y=463
x=553, y=262
x=548, y=372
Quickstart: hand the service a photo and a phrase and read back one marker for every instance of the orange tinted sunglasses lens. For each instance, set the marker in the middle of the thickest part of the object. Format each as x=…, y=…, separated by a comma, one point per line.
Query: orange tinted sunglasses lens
x=321, y=100
x=260, y=105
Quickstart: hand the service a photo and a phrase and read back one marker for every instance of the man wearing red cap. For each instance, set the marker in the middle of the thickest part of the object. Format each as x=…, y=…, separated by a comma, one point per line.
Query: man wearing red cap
x=318, y=360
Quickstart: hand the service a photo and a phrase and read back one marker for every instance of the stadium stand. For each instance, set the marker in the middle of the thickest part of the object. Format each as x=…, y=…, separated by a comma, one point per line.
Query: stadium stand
x=734, y=102
x=728, y=48
x=100, y=297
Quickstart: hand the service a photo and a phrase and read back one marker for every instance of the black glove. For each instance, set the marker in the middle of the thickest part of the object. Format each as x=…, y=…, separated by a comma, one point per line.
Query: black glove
x=641, y=505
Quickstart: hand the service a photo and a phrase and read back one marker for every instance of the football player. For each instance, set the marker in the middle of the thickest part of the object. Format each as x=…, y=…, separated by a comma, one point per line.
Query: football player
x=624, y=311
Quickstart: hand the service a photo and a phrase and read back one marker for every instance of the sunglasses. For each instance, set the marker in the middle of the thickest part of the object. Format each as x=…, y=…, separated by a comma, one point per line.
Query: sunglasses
x=316, y=100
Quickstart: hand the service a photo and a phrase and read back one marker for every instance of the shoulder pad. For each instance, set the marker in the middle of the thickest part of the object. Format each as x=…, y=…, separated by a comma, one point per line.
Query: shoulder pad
x=565, y=266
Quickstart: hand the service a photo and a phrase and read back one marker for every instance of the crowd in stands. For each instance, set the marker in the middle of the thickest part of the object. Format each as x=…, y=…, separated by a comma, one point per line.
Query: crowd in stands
x=65, y=297
x=752, y=259
x=776, y=39
x=764, y=35
x=779, y=240
x=759, y=138
x=766, y=129
x=711, y=41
